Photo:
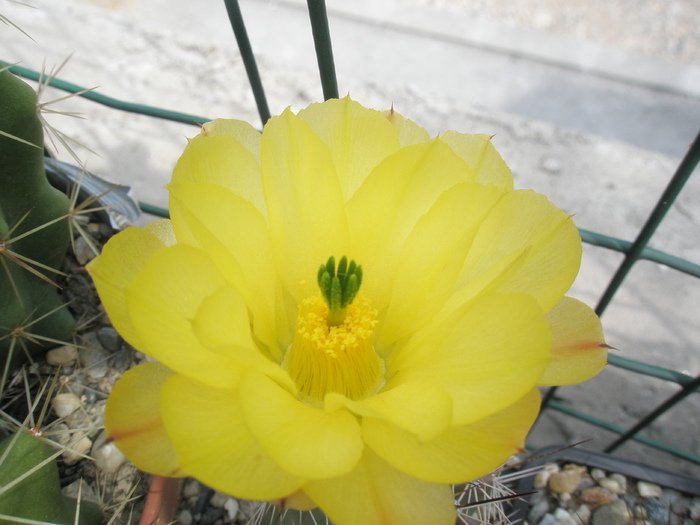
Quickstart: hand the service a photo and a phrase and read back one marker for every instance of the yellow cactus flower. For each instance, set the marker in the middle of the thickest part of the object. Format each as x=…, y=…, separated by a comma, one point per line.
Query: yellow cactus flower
x=345, y=313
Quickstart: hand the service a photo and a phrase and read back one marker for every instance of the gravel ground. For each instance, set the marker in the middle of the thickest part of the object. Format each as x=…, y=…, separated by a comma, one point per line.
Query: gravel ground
x=667, y=29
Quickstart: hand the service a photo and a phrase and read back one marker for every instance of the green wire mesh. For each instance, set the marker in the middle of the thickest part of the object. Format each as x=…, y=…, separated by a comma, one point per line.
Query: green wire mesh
x=633, y=251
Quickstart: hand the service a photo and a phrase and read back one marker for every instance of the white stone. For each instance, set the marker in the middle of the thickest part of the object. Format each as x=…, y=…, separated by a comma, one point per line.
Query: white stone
x=583, y=513
x=62, y=356
x=185, y=517
x=649, y=490
x=77, y=451
x=598, y=474
x=564, y=517
x=107, y=456
x=231, y=508
x=612, y=485
x=65, y=404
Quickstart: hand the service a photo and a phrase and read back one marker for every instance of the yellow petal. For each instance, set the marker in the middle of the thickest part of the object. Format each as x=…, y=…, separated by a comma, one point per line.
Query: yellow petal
x=304, y=200
x=133, y=420
x=418, y=407
x=357, y=138
x=478, y=152
x=121, y=260
x=463, y=453
x=220, y=155
x=486, y=355
x=214, y=445
x=431, y=259
x=409, y=132
x=162, y=301
x=245, y=134
x=578, y=345
x=377, y=494
x=388, y=205
x=305, y=441
x=235, y=236
x=525, y=220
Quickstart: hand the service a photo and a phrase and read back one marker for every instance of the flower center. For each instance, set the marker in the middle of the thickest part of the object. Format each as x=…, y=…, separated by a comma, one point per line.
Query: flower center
x=332, y=347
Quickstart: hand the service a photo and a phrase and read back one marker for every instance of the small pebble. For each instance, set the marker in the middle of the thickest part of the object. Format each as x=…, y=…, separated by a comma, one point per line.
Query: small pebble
x=564, y=517
x=598, y=474
x=596, y=497
x=615, y=513
x=567, y=480
x=107, y=456
x=583, y=514
x=94, y=360
x=538, y=511
x=549, y=519
x=83, y=252
x=109, y=338
x=77, y=450
x=65, y=404
x=185, y=517
x=231, y=508
x=612, y=485
x=191, y=489
x=649, y=490
x=621, y=480
x=62, y=356
x=694, y=510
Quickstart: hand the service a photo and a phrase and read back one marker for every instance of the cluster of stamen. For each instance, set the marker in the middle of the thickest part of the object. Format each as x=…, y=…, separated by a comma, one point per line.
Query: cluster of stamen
x=332, y=347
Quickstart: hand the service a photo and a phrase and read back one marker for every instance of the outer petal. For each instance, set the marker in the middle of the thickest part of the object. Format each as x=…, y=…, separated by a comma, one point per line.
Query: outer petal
x=409, y=132
x=578, y=345
x=357, y=138
x=418, y=407
x=163, y=299
x=121, y=260
x=478, y=152
x=525, y=220
x=235, y=236
x=225, y=154
x=133, y=420
x=375, y=493
x=308, y=442
x=431, y=259
x=462, y=453
x=214, y=445
x=486, y=355
x=306, y=212
x=388, y=205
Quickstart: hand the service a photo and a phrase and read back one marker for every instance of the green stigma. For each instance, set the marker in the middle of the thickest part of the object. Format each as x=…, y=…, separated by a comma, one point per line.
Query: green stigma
x=339, y=287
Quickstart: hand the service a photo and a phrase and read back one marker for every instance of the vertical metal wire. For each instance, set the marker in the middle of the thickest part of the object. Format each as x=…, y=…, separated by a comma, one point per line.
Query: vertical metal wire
x=236, y=18
x=683, y=173
x=324, y=49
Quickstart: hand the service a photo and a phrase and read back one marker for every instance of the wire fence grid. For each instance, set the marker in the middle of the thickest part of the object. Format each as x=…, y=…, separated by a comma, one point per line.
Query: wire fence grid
x=633, y=251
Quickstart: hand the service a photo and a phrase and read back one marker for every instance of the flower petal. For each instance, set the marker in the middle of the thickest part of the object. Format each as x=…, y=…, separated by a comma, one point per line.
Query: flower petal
x=162, y=301
x=133, y=420
x=525, y=220
x=431, y=259
x=121, y=260
x=306, y=212
x=486, y=355
x=578, y=345
x=388, y=205
x=463, y=453
x=235, y=236
x=418, y=407
x=409, y=132
x=375, y=493
x=221, y=154
x=358, y=138
x=478, y=152
x=214, y=445
x=308, y=442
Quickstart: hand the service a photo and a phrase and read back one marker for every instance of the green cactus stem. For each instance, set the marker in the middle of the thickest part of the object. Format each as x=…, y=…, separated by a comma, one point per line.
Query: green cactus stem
x=36, y=495
x=27, y=198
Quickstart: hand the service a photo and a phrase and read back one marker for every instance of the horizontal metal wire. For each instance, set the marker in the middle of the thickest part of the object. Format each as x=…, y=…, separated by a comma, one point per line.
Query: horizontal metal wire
x=560, y=407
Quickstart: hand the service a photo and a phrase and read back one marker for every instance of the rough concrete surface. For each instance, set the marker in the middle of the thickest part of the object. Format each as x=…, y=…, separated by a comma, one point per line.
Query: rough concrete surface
x=602, y=146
